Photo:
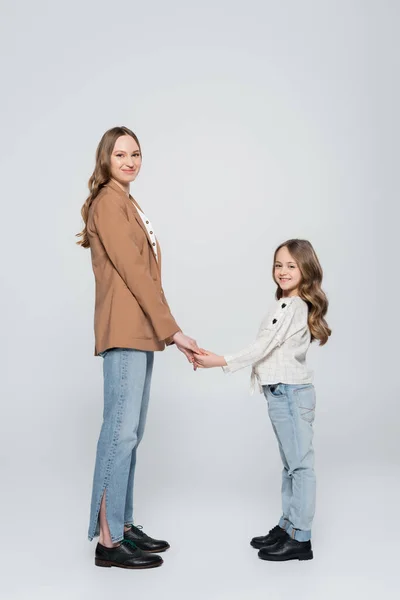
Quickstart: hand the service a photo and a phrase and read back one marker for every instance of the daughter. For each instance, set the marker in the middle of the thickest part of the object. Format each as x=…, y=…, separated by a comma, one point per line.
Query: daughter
x=278, y=358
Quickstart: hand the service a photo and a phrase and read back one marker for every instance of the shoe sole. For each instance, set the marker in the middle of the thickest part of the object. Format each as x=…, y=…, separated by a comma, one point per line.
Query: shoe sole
x=106, y=563
x=308, y=556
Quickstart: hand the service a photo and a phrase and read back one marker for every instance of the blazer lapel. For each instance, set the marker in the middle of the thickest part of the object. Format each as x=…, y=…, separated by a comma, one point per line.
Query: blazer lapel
x=140, y=221
x=138, y=218
x=159, y=255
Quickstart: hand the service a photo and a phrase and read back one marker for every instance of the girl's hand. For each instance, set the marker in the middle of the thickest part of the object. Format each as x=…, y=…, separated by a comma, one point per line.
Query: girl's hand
x=207, y=360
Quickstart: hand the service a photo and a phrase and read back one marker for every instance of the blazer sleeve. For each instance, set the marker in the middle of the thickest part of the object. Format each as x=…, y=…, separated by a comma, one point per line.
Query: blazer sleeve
x=285, y=322
x=169, y=341
x=114, y=232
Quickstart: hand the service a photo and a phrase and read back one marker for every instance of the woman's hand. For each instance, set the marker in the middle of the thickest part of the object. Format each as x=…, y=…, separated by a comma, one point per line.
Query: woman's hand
x=207, y=360
x=187, y=345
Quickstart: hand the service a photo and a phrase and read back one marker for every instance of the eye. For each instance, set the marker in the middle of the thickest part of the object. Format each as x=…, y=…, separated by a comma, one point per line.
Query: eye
x=292, y=267
x=136, y=154
x=119, y=155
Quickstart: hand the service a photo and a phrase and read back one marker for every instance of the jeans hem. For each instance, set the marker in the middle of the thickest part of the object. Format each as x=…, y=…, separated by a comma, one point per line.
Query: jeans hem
x=118, y=540
x=113, y=541
x=300, y=535
x=284, y=523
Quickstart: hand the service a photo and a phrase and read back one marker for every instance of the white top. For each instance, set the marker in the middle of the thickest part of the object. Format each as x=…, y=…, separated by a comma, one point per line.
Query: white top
x=150, y=230
x=279, y=353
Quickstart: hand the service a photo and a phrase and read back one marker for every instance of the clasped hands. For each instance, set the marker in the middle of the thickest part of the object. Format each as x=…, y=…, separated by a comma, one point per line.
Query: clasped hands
x=198, y=357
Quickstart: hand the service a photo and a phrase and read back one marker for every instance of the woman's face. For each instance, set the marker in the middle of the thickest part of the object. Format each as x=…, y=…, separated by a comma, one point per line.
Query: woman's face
x=286, y=272
x=126, y=160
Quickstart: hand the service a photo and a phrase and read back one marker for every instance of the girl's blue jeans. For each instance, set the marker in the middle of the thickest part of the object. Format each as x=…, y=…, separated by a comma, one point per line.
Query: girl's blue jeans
x=292, y=409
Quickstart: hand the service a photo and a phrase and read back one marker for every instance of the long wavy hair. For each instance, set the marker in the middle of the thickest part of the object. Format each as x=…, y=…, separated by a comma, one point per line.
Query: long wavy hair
x=102, y=173
x=309, y=288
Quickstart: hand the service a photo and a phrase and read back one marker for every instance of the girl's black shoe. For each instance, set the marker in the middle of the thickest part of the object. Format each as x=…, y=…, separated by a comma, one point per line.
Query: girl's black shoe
x=287, y=549
x=276, y=534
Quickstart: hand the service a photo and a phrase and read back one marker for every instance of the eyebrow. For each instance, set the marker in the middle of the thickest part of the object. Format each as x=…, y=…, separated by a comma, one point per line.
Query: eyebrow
x=123, y=151
x=290, y=262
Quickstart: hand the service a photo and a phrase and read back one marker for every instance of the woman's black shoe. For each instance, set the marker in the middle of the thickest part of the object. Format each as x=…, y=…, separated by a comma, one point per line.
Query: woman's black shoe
x=143, y=541
x=276, y=534
x=126, y=556
x=287, y=549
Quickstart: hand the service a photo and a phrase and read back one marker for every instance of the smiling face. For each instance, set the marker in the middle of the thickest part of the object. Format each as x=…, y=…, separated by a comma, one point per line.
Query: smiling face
x=286, y=272
x=125, y=161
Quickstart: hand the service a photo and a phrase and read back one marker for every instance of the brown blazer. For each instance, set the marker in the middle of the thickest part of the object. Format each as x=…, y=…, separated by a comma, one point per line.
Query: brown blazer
x=131, y=310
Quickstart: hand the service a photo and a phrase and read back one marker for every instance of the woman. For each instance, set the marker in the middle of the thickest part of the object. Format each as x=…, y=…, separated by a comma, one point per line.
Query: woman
x=132, y=320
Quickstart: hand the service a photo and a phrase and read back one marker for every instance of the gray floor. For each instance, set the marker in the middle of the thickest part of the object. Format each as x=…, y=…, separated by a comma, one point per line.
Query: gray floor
x=355, y=544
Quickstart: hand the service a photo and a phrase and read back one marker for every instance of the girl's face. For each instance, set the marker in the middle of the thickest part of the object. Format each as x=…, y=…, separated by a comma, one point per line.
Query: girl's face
x=126, y=160
x=287, y=273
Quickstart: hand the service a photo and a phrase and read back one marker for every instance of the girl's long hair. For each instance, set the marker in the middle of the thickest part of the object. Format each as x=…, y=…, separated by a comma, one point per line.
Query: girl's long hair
x=309, y=288
x=101, y=174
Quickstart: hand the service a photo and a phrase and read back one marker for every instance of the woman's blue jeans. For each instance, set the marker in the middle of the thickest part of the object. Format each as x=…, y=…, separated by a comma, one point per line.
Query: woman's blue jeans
x=127, y=379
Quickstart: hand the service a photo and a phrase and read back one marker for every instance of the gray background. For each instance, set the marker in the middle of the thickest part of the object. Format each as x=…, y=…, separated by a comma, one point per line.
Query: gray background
x=259, y=121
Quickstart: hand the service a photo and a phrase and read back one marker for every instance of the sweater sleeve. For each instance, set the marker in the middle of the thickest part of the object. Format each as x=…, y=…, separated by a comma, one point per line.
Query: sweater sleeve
x=113, y=229
x=287, y=320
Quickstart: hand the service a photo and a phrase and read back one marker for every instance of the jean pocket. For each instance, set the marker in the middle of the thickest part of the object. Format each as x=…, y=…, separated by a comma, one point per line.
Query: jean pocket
x=276, y=390
x=305, y=400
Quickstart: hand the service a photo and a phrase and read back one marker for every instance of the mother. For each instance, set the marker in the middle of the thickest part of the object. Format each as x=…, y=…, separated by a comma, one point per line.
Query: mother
x=132, y=320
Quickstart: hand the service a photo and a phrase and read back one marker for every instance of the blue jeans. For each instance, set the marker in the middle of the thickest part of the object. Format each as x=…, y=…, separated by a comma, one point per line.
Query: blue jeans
x=127, y=379
x=292, y=409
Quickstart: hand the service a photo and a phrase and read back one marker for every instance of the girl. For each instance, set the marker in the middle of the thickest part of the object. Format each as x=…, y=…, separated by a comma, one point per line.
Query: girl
x=132, y=320
x=278, y=358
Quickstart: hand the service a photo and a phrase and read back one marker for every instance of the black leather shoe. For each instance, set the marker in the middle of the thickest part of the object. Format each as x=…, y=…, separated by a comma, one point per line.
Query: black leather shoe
x=143, y=541
x=287, y=549
x=276, y=534
x=125, y=556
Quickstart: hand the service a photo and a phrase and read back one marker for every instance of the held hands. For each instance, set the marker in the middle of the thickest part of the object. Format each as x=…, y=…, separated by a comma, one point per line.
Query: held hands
x=207, y=360
x=198, y=357
x=187, y=345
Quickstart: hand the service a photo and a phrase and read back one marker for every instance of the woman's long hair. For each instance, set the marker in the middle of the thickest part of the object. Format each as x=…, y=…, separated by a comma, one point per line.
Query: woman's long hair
x=102, y=173
x=309, y=288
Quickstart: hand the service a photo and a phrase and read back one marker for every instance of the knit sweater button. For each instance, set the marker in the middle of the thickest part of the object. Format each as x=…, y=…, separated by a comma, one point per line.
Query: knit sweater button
x=273, y=322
